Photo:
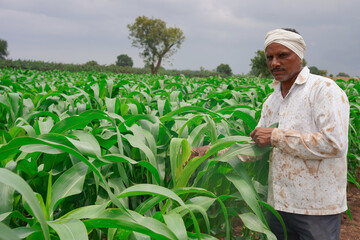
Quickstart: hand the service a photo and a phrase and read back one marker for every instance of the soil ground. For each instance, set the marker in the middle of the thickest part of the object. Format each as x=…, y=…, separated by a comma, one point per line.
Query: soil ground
x=350, y=230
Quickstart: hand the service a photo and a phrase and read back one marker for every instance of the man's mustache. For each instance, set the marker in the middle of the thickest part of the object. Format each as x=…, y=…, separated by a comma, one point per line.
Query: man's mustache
x=277, y=69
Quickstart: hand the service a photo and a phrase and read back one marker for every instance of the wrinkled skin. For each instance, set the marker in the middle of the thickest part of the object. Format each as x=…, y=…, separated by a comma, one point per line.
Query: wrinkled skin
x=262, y=136
x=199, y=151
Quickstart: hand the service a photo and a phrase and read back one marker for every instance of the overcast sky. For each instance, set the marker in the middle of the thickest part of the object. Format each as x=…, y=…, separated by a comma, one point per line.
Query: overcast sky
x=216, y=31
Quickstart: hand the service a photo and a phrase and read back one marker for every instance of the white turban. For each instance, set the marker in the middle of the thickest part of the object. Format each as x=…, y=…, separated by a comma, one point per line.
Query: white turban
x=289, y=39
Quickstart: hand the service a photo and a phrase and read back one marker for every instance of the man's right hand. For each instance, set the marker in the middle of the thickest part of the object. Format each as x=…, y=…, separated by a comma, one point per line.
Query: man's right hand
x=262, y=136
x=199, y=151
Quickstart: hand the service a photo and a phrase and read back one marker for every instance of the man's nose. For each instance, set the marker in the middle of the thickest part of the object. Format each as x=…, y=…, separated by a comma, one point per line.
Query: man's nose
x=275, y=62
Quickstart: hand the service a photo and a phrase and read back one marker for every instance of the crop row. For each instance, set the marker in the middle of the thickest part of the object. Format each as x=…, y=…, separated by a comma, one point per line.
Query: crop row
x=88, y=155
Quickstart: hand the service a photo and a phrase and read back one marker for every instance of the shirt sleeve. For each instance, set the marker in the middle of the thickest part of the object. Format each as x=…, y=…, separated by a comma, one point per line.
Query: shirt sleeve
x=330, y=109
x=261, y=122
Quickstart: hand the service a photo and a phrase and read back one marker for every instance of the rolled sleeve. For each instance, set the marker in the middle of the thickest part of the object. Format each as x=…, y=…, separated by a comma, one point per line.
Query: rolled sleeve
x=331, y=114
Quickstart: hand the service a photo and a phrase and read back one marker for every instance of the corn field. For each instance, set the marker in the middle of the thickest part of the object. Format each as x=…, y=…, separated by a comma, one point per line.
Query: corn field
x=106, y=156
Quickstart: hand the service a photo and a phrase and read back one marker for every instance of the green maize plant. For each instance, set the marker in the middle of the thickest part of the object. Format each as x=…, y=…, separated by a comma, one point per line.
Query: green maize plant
x=106, y=156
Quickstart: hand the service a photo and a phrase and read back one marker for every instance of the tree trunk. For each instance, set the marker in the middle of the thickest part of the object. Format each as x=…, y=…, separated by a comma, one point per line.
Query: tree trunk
x=152, y=68
x=155, y=70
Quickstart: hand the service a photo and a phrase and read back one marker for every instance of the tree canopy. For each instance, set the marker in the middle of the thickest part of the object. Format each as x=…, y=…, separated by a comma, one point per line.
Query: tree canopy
x=124, y=60
x=259, y=66
x=315, y=70
x=3, y=49
x=224, y=69
x=157, y=41
x=342, y=74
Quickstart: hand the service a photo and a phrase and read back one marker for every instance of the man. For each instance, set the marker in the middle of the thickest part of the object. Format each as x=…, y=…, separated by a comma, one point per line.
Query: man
x=308, y=166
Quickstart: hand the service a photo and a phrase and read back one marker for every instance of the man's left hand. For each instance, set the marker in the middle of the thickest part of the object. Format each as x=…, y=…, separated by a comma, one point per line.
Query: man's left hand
x=262, y=136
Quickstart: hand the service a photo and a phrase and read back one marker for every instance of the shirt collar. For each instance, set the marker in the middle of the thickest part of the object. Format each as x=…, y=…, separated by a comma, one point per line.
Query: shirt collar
x=303, y=76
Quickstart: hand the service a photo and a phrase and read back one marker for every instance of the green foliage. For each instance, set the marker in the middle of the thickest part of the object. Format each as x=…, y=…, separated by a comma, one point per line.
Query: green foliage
x=352, y=90
x=342, y=74
x=3, y=49
x=93, y=65
x=49, y=66
x=315, y=70
x=157, y=41
x=124, y=60
x=304, y=62
x=224, y=69
x=105, y=156
x=258, y=65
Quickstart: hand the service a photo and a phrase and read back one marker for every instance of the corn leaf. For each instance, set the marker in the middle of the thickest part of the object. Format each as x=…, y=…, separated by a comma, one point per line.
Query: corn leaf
x=9, y=178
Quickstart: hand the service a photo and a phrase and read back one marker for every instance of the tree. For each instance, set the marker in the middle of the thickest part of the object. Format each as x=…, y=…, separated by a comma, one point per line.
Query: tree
x=342, y=74
x=224, y=69
x=157, y=41
x=92, y=66
x=3, y=49
x=315, y=70
x=148, y=66
x=124, y=60
x=259, y=66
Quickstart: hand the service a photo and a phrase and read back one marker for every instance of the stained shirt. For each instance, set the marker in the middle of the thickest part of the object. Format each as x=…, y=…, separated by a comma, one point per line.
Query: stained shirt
x=308, y=166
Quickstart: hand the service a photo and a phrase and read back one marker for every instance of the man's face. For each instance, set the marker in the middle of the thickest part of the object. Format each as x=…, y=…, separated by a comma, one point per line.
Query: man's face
x=283, y=63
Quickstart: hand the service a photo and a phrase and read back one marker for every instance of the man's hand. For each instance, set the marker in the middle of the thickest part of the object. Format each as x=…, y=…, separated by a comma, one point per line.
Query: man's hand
x=199, y=151
x=262, y=136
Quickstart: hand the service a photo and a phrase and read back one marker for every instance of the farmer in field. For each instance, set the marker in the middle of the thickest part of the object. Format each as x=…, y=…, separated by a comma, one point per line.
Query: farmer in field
x=308, y=166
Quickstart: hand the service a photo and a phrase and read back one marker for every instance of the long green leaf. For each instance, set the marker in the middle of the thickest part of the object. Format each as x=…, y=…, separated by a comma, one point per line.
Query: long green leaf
x=114, y=218
x=78, y=122
x=69, y=229
x=176, y=224
x=248, y=194
x=194, y=163
x=118, y=158
x=57, y=141
x=7, y=233
x=252, y=222
x=7, y=196
x=179, y=154
x=13, y=180
x=145, y=189
x=277, y=215
x=69, y=183
x=150, y=189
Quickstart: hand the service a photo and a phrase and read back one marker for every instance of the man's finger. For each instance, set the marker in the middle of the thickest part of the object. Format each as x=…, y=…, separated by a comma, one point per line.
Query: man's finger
x=252, y=134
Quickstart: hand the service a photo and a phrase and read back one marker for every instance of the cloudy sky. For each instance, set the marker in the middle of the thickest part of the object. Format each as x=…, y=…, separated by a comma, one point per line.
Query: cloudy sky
x=226, y=31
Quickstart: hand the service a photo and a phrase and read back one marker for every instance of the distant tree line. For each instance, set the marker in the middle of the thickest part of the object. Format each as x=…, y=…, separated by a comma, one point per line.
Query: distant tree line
x=94, y=66
x=158, y=43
